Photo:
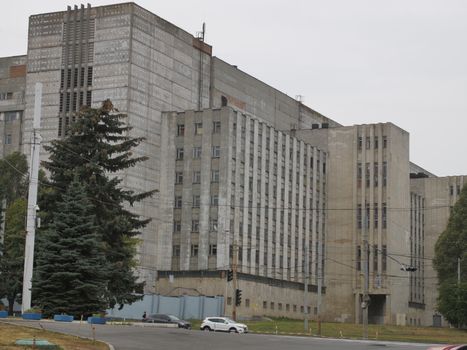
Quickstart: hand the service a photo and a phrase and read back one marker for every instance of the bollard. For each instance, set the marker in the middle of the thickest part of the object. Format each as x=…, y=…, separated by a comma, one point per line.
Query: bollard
x=93, y=334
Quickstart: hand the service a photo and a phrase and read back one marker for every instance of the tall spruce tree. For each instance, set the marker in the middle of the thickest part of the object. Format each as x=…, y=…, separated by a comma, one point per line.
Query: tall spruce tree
x=449, y=249
x=71, y=270
x=97, y=151
x=12, y=257
x=13, y=190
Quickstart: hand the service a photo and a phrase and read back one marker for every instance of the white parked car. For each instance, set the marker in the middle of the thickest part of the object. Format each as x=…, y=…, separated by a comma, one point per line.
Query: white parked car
x=223, y=324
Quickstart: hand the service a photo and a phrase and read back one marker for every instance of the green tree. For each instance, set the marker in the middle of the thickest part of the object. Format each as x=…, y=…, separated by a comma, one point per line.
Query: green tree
x=12, y=259
x=13, y=189
x=71, y=270
x=450, y=247
x=97, y=151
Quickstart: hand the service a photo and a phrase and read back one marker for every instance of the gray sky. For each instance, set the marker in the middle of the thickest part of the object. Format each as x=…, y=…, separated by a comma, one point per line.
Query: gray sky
x=359, y=61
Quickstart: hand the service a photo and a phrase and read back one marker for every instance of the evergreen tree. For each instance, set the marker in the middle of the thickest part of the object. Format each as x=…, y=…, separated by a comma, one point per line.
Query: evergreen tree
x=12, y=258
x=451, y=246
x=71, y=270
x=97, y=151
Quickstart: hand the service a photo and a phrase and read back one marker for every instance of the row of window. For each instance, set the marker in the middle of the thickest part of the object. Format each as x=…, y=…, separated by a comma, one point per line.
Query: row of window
x=196, y=177
x=375, y=216
x=384, y=174
x=10, y=116
x=456, y=189
x=198, y=127
x=194, y=251
x=376, y=252
x=6, y=96
x=215, y=152
x=367, y=142
x=196, y=202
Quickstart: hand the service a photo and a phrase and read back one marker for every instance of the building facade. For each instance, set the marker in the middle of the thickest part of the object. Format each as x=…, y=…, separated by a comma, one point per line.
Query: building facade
x=240, y=167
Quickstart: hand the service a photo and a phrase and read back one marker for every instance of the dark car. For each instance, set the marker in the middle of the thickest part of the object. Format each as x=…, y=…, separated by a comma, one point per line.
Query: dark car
x=163, y=318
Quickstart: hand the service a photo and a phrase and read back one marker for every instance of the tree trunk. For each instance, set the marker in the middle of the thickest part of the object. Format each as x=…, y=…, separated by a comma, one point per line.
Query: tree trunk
x=11, y=303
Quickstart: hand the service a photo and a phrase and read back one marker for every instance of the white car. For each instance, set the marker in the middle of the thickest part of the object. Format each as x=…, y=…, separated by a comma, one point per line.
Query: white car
x=223, y=324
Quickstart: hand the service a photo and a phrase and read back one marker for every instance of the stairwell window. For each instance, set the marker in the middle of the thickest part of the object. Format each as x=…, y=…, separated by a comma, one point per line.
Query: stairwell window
x=216, y=151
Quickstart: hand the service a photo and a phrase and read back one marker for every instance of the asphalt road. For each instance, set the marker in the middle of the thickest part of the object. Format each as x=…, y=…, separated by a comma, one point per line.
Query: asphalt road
x=144, y=338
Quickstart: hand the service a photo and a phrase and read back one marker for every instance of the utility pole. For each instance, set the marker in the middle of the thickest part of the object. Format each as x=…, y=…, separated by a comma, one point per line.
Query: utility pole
x=234, y=280
x=32, y=200
x=305, y=287
x=366, y=297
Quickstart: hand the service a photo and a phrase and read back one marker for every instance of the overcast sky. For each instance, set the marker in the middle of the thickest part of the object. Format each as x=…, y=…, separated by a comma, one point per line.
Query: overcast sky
x=358, y=61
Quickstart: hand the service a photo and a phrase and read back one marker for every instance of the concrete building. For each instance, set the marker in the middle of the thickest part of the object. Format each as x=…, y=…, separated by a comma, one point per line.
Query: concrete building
x=12, y=104
x=260, y=172
x=232, y=184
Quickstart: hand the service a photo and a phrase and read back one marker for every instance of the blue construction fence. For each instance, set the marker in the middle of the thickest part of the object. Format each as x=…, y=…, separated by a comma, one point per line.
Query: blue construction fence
x=185, y=307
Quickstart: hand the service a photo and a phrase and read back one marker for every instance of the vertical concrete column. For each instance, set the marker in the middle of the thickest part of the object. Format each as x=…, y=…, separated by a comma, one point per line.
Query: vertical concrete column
x=379, y=199
x=308, y=210
x=238, y=212
x=254, y=208
x=314, y=214
x=246, y=206
x=263, y=266
x=371, y=198
x=286, y=206
x=278, y=205
x=271, y=203
x=227, y=118
x=205, y=190
x=187, y=193
x=293, y=209
x=166, y=192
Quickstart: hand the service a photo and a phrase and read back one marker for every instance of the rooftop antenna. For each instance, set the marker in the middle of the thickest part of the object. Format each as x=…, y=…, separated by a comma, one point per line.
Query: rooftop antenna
x=300, y=98
x=200, y=35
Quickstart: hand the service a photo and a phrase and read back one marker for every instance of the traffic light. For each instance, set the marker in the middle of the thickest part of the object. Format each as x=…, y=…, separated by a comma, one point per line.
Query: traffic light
x=229, y=275
x=238, y=297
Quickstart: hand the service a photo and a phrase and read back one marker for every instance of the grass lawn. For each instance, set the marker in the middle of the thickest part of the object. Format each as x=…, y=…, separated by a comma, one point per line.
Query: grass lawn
x=10, y=333
x=349, y=330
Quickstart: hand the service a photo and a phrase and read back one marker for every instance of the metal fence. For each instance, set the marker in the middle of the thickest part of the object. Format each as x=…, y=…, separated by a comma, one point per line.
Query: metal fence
x=185, y=307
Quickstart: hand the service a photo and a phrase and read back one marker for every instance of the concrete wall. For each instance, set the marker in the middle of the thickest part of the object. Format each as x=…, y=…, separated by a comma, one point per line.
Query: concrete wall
x=12, y=87
x=440, y=194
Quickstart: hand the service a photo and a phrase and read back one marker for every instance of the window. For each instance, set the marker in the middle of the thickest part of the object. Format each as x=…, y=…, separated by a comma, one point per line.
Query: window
x=194, y=250
x=375, y=215
x=265, y=304
x=359, y=258
x=367, y=174
x=216, y=151
x=10, y=116
x=287, y=307
x=180, y=129
x=176, y=250
x=178, y=201
x=196, y=201
x=279, y=306
x=375, y=174
x=385, y=173
x=194, y=225
x=8, y=139
x=215, y=176
x=451, y=190
x=359, y=216
x=6, y=95
x=198, y=128
x=179, y=177
x=196, y=177
x=180, y=153
x=295, y=308
x=385, y=141
x=458, y=189
x=215, y=200
x=213, y=249
x=376, y=142
x=272, y=305
x=247, y=302
x=360, y=143
x=229, y=300
x=223, y=101
x=177, y=226
x=196, y=152
x=384, y=216
x=216, y=127
x=213, y=225
x=359, y=171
